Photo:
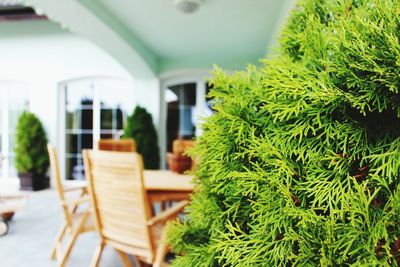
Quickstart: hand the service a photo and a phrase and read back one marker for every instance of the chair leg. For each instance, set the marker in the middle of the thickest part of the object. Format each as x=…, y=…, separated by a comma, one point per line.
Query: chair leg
x=64, y=258
x=74, y=236
x=97, y=254
x=82, y=194
x=137, y=262
x=57, y=242
x=161, y=250
x=124, y=258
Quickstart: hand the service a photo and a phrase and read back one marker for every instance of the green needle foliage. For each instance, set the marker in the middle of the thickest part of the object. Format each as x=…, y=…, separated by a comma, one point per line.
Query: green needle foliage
x=141, y=128
x=31, y=145
x=300, y=164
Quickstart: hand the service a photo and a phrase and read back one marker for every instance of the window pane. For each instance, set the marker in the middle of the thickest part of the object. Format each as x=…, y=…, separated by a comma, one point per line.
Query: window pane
x=74, y=145
x=81, y=118
x=106, y=119
x=76, y=142
x=112, y=97
x=74, y=168
x=14, y=99
x=181, y=105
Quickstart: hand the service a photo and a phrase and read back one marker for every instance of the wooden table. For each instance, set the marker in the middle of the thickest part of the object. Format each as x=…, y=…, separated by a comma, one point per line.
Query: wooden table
x=161, y=185
x=164, y=185
x=165, y=180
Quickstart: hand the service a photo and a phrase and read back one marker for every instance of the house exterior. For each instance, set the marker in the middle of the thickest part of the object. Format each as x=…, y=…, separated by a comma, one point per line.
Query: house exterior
x=82, y=66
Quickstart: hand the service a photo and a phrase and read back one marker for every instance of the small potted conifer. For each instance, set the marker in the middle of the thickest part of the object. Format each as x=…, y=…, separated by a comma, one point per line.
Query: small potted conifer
x=141, y=128
x=31, y=158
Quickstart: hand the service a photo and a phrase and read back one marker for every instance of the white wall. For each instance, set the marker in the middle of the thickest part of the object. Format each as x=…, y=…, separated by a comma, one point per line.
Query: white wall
x=43, y=54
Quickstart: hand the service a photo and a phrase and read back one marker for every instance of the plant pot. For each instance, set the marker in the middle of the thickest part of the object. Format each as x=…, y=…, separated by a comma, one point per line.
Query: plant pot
x=7, y=216
x=178, y=162
x=33, y=181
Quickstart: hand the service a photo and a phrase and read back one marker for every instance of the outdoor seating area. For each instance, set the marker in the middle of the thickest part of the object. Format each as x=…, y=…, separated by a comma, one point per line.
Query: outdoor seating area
x=120, y=205
x=186, y=133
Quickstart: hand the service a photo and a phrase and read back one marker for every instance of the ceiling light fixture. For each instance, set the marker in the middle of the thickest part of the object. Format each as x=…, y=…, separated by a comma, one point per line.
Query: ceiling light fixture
x=187, y=6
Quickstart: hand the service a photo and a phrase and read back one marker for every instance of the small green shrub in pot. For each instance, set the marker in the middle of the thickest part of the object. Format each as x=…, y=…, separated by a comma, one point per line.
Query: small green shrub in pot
x=31, y=157
x=141, y=128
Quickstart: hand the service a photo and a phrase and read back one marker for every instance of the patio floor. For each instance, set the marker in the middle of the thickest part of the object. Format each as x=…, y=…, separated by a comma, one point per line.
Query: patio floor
x=32, y=232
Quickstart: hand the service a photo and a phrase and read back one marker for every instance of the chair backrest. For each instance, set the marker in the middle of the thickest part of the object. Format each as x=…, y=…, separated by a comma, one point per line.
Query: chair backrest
x=119, y=201
x=123, y=145
x=182, y=145
x=55, y=172
x=179, y=148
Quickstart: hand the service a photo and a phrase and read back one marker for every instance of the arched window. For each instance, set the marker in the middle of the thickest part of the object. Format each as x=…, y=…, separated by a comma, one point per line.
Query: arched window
x=93, y=108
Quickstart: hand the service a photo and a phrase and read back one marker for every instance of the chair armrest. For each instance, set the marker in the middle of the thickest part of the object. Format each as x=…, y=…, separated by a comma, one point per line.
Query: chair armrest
x=75, y=188
x=168, y=213
x=75, y=202
x=69, y=186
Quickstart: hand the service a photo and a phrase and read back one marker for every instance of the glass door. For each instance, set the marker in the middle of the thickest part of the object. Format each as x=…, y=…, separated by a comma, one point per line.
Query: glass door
x=181, y=112
x=95, y=108
x=184, y=103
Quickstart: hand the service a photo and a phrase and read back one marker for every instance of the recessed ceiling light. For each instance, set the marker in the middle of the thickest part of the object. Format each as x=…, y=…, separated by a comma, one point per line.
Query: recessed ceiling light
x=187, y=6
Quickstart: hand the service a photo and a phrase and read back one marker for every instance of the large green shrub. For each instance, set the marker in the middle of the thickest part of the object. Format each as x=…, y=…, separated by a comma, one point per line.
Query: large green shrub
x=300, y=164
x=31, y=145
x=141, y=128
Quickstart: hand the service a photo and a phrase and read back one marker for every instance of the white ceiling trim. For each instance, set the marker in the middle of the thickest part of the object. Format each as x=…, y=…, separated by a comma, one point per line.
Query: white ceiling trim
x=74, y=16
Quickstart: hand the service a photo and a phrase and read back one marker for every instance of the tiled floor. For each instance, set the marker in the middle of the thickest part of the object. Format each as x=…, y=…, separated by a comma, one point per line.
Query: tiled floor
x=32, y=232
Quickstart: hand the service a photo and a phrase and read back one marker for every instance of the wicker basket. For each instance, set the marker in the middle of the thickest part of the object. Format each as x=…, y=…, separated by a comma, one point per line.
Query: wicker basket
x=177, y=162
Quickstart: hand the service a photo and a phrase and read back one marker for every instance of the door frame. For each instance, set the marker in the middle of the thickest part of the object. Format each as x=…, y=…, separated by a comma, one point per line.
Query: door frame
x=199, y=77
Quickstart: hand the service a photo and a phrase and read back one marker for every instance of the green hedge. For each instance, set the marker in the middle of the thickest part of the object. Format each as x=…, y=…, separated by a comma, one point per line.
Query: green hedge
x=300, y=164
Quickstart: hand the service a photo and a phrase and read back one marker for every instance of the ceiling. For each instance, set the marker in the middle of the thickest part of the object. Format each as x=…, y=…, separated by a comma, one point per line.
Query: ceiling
x=152, y=37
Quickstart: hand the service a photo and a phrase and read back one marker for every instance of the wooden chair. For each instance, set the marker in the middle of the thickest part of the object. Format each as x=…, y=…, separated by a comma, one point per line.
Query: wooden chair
x=121, y=208
x=182, y=145
x=123, y=145
x=76, y=219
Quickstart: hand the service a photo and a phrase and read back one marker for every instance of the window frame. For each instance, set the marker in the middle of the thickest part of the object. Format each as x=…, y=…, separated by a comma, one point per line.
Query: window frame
x=96, y=131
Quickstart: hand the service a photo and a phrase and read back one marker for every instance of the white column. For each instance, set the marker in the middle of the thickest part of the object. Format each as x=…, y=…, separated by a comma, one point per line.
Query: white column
x=96, y=114
x=162, y=127
x=200, y=104
x=5, y=131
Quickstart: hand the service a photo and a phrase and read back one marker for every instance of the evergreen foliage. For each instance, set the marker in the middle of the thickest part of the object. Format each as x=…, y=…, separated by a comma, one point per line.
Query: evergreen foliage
x=141, y=128
x=31, y=145
x=300, y=164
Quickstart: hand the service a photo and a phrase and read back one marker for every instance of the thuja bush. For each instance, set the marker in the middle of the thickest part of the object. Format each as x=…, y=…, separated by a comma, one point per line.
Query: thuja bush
x=31, y=145
x=299, y=165
x=141, y=128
